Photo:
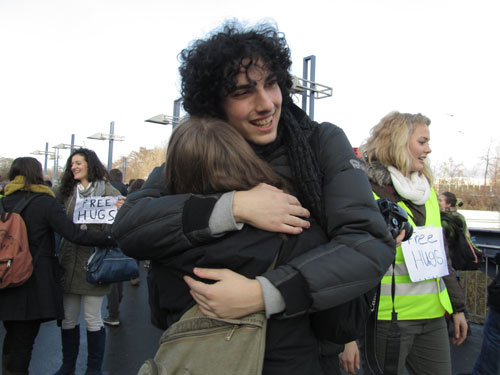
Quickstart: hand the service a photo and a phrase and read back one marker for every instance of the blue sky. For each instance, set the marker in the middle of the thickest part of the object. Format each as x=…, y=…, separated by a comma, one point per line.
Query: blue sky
x=73, y=66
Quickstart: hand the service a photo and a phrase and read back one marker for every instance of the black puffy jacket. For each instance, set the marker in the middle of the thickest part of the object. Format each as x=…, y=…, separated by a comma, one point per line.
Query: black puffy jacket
x=155, y=225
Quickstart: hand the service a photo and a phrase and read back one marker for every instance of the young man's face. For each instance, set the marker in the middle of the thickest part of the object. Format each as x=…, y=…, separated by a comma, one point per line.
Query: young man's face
x=254, y=108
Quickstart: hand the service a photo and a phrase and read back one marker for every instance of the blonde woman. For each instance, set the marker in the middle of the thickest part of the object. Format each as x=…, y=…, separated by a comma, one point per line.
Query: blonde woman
x=395, y=158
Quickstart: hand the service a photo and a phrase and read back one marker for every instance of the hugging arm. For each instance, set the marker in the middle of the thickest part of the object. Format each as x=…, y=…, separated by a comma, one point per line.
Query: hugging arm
x=354, y=260
x=153, y=224
x=360, y=248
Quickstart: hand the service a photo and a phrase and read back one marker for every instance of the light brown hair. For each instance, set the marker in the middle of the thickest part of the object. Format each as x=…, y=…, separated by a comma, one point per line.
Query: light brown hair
x=207, y=155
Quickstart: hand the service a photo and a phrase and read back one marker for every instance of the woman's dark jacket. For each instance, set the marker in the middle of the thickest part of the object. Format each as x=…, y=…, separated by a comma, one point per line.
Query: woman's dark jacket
x=155, y=225
x=291, y=346
x=41, y=296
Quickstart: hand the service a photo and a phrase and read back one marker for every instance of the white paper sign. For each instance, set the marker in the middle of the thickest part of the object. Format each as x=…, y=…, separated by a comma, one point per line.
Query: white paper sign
x=424, y=254
x=95, y=210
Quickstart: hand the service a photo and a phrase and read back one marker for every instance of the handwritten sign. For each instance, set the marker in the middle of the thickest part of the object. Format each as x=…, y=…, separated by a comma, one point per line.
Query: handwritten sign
x=95, y=210
x=425, y=255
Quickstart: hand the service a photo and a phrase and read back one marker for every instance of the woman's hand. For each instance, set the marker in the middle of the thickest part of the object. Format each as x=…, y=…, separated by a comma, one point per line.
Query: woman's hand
x=232, y=296
x=269, y=208
x=399, y=238
x=459, y=328
x=349, y=358
x=120, y=202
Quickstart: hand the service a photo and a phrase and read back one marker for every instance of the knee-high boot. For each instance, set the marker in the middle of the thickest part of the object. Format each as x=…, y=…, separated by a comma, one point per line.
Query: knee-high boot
x=70, y=345
x=96, y=342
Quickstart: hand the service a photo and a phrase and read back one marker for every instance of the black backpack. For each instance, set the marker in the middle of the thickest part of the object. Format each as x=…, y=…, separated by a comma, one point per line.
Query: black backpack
x=464, y=255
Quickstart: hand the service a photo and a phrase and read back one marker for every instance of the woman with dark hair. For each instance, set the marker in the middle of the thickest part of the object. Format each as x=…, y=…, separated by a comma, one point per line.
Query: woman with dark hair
x=456, y=232
x=23, y=308
x=84, y=176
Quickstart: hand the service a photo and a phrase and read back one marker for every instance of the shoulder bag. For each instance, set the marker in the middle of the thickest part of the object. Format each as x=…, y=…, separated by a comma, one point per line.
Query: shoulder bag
x=199, y=344
x=109, y=265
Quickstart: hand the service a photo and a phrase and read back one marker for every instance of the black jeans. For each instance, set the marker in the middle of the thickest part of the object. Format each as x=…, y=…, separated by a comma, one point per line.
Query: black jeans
x=18, y=344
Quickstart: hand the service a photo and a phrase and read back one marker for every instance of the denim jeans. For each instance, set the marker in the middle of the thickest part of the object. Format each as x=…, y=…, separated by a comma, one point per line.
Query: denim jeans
x=489, y=357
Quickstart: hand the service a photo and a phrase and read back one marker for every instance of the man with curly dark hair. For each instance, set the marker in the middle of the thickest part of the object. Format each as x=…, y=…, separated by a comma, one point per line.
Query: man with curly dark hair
x=203, y=86
x=241, y=75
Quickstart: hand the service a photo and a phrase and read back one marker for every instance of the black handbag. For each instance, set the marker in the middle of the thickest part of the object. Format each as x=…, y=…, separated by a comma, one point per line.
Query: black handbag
x=110, y=265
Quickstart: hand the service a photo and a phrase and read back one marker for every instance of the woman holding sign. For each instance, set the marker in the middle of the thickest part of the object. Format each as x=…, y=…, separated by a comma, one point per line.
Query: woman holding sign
x=84, y=181
x=419, y=288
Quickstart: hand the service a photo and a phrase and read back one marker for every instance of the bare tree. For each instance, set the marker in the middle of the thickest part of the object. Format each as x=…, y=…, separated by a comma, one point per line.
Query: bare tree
x=141, y=163
x=5, y=164
x=487, y=160
x=449, y=170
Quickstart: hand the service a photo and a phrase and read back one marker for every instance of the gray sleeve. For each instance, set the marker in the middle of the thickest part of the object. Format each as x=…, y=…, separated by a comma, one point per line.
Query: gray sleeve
x=273, y=300
x=222, y=219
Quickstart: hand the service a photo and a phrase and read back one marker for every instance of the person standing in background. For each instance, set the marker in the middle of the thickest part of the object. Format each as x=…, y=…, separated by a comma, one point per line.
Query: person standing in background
x=115, y=296
x=84, y=176
x=40, y=299
x=395, y=159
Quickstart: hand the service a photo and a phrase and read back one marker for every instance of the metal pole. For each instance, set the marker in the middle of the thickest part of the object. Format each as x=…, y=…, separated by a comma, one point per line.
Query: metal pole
x=124, y=169
x=72, y=142
x=56, y=154
x=54, y=172
x=313, y=86
x=46, y=156
x=110, y=151
x=309, y=64
x=177, y=112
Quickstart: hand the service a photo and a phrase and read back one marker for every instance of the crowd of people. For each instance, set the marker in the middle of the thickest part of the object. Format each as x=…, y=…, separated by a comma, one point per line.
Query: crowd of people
x=257, y=208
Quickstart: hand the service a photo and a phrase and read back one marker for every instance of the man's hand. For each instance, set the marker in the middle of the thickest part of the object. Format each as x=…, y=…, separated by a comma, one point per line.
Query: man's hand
x=460, y=328
x=269, y=208
x=349, y=358
x=232, y=296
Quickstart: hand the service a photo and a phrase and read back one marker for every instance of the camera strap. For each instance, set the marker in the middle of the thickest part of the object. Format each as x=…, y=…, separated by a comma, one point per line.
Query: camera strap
x=393, y=335
x=370, y=338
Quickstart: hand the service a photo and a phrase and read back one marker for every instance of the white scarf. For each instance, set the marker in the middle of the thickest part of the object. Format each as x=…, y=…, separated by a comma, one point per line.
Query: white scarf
x=416, y=188
x=94, y=189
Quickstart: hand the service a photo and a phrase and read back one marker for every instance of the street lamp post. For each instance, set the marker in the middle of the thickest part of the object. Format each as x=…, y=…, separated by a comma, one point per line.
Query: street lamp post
x=308, y=88
x=62, y=146
x=46, y=153
x=112, y=137
x=167, y=119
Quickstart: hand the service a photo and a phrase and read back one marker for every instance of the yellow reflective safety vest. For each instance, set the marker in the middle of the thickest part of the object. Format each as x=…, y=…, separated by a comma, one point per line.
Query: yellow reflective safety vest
x=414, y=300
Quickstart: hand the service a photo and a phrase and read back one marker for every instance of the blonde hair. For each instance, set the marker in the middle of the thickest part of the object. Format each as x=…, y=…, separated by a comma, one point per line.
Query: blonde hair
x=388, y=142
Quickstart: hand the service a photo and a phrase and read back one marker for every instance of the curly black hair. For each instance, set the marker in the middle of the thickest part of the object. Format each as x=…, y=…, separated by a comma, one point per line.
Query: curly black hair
x=96, y=171
x=209, y=66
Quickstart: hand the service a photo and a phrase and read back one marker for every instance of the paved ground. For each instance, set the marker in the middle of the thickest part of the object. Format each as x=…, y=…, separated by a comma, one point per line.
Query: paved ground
x=135, y=340
x=127, y=346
